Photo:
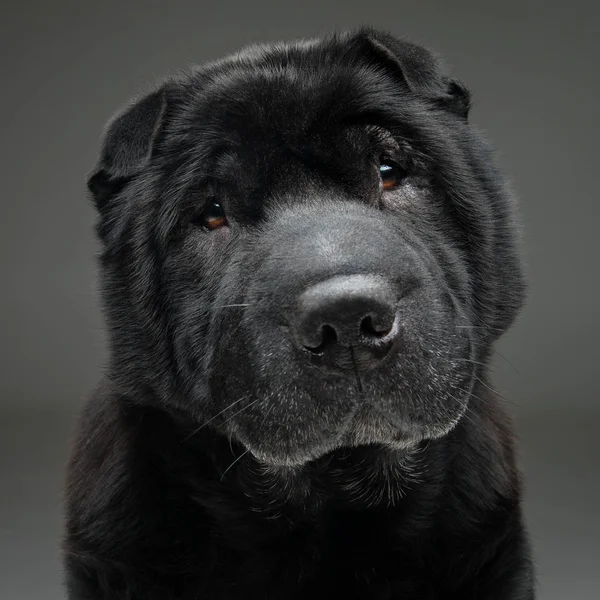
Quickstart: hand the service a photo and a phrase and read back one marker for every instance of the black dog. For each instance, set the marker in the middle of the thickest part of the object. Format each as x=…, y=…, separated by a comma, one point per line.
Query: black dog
x=307, y=256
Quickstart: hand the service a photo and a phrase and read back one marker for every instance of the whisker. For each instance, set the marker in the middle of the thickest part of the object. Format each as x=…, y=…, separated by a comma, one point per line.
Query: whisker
x=267, y=413
x=235, y=414
x=233, y=463
x=233, y=305
x=509, y=363
x=485, y=385
x=484, y=400
x=469, y=414
x=213, y=418
x=479, y=327
x=495, y=392
x=474, y=362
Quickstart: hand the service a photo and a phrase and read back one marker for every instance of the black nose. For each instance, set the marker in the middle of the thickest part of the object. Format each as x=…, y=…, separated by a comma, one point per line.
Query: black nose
x=346, y=323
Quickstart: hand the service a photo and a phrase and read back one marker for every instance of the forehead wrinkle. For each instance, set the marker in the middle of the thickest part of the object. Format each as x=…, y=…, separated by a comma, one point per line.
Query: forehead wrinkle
x=276, y=97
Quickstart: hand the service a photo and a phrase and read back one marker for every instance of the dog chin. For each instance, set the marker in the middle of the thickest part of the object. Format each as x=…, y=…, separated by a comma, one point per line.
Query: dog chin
x=369, y=427
x=287, y=458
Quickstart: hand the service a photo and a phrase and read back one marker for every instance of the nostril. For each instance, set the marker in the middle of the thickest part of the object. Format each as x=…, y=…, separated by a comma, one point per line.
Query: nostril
x=328, y=336
x=371, y=329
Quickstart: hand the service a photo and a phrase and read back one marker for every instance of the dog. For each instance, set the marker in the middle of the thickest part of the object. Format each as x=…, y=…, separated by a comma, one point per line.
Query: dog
x=307, y=256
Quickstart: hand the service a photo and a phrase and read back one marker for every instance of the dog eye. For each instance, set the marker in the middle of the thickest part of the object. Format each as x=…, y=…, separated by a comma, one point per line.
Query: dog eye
x=391, y=175
x=213, y=216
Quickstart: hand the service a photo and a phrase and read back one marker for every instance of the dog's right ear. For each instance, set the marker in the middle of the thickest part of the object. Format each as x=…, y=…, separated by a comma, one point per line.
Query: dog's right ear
x=127, y=145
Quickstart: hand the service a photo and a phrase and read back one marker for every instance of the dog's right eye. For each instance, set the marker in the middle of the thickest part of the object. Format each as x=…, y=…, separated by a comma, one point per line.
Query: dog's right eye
x=213, y=216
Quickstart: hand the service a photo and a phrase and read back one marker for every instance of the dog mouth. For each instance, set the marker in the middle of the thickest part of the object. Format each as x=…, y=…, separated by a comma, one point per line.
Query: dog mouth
x=367, y=424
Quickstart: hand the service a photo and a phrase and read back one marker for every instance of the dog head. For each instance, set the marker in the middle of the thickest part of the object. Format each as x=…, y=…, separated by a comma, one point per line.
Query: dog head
x=306, y=246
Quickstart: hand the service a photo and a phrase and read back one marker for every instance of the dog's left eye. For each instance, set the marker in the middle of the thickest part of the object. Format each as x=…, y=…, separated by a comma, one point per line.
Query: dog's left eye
x=391, y=175
x=213, y=216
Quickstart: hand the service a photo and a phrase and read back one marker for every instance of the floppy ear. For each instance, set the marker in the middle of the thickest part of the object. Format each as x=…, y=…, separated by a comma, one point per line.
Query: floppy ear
x=418, y=68
x=127, y=145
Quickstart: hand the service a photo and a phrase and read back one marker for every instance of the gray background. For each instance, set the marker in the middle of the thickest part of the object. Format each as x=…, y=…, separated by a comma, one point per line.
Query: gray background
x=66, y=66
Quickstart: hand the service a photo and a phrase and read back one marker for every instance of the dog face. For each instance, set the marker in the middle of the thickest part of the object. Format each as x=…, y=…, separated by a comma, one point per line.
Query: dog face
x=306, y=247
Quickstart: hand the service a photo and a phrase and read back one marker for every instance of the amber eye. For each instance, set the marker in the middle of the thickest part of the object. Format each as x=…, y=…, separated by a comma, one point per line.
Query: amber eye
x=391, y=175
x=213, y=216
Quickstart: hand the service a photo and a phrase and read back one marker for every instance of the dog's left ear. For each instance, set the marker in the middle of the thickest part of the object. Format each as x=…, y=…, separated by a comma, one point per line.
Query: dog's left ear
x=417, y=67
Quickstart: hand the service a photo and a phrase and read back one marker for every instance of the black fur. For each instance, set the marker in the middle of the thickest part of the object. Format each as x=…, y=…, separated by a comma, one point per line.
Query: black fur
x=214, y=461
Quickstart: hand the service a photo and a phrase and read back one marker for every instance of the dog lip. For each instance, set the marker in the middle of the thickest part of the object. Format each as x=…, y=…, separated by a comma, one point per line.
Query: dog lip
x=340, y=359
